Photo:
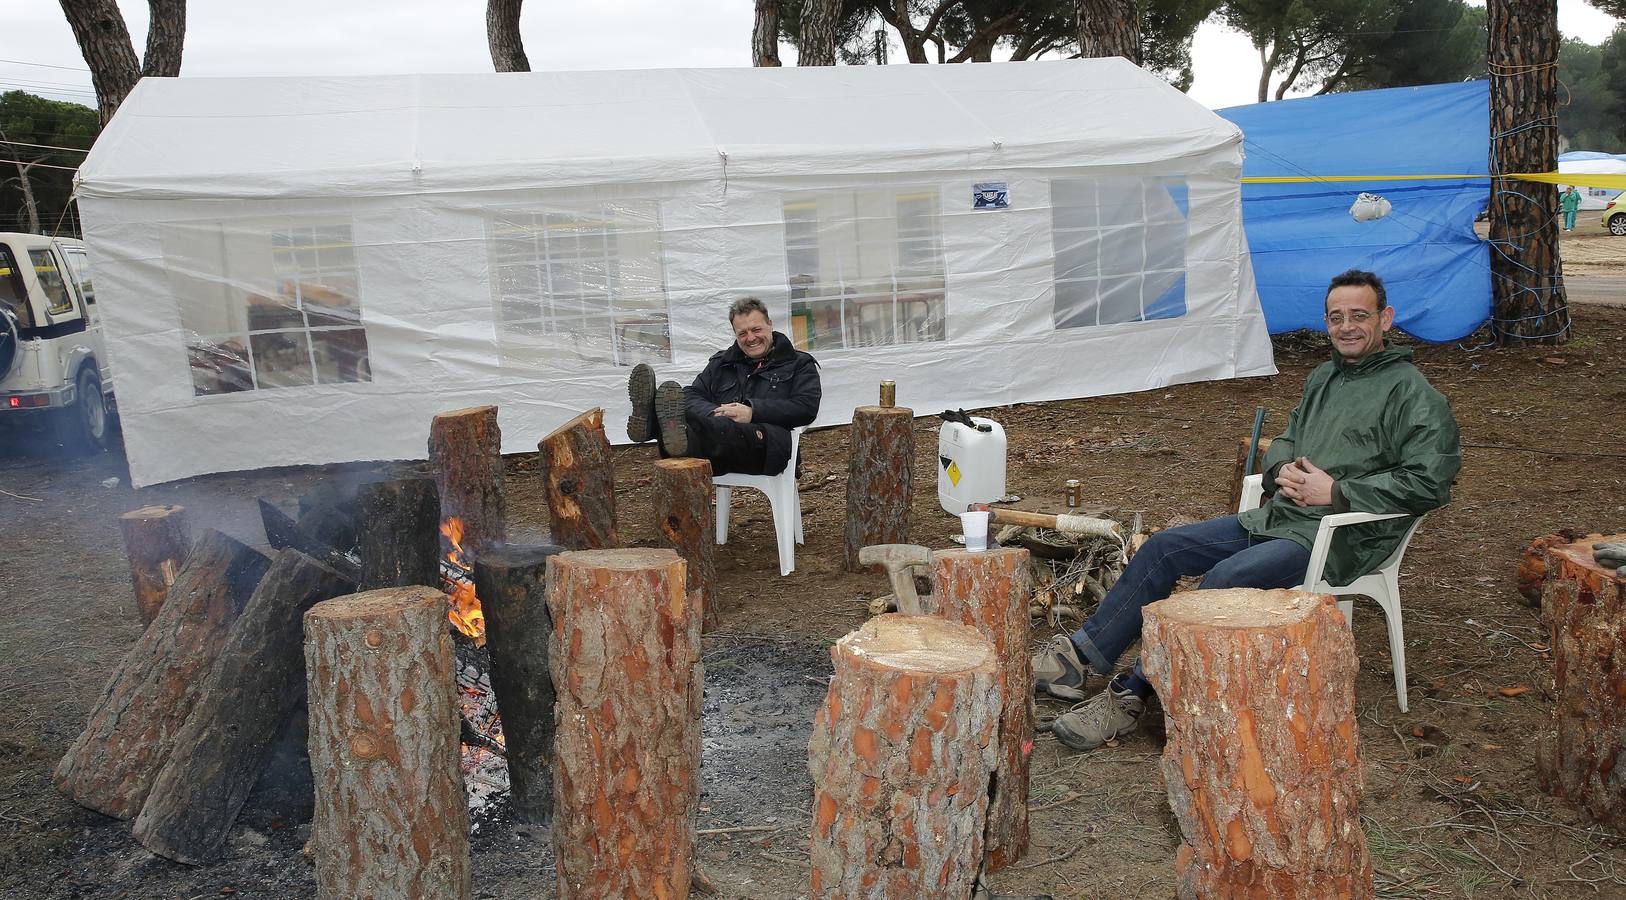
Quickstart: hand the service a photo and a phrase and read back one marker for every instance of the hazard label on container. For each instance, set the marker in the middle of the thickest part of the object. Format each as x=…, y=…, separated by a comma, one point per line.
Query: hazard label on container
x=953, y=471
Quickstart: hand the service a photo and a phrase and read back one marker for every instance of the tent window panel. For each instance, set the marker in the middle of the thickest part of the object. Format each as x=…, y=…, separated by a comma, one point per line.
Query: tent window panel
x=340, y=356
x=1119, y=246
x=281, y=359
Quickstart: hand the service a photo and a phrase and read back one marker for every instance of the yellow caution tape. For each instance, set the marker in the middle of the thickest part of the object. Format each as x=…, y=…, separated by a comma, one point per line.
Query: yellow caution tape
x=1580, y=179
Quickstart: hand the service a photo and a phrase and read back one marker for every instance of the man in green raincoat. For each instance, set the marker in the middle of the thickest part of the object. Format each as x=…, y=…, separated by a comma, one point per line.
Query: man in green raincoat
x=1369, y=435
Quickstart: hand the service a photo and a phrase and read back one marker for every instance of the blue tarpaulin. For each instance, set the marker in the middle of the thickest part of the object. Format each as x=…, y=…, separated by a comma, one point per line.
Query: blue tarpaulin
x=1436, y=269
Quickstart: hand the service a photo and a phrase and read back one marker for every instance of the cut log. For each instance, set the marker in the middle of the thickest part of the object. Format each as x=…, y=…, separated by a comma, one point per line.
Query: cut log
x=399, y=541
x=465, y=449
x=880, y=479
x=625, y=657
x=1262, y=762
x=901, y=754
x=578, y=480
x=683, y=521
x=1532, y=573
x=511, y=584
x=156, y=539
x=282, y=532
x=1237, y=468
x=989, y=591
x=391, y=817
x=327, y=512
x=110, y=768
x=1584, y=604
x=256, y=683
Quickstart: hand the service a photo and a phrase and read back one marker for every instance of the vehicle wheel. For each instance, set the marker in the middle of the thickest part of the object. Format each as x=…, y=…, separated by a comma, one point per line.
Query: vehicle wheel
x=1617, y=224
x=91, y=418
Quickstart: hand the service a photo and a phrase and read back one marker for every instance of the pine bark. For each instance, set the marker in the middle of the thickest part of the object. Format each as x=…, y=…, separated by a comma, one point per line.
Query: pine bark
x=1241, y=463
x=256, y=683
x=684, y=521
x=1109, y=28
x=579, y=483
x=465, y=450
x=625, y=657
x=391, y=818
x=282, y=532
x=1584, y=604
x=399, y=541
x=1531, y=575
x=765, y=34
x=989, y=591
x=503, y=36
x=817, y=46
x=1527, y=288
x=111, y=767
x=511, y=582
x=104, y=42
x=901, y=754
x=166, y=37
x=1262, y=762
x=880, y=479
x=156, y=539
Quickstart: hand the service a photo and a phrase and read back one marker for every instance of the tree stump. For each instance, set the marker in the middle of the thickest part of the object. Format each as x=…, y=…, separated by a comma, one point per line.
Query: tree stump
x=511, y=583
x=391, y=817
x=1240, y=470
x=901, y=754
x=989, y=591
x=625, y=657
x=399, y=539
x=1584, y=605
x=257, y=682
x=683, y=521
x=1262, y=762
x=578, y=479
x=880, y=479
x=156, y=539
x=111, y=767
x=1531, y=575
x=465, y=449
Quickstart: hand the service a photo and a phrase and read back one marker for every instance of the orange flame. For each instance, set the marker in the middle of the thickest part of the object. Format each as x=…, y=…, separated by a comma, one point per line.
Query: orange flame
x=465, y=614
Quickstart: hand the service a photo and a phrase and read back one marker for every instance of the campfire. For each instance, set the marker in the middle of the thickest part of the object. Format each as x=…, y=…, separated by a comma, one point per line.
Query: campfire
x=465, y=613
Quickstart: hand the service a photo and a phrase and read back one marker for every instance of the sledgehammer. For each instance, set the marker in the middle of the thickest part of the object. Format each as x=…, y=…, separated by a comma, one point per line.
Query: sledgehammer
x=899, y=560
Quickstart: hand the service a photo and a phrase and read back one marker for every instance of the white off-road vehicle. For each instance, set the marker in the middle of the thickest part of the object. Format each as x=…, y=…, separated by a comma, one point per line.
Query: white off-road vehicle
x=51, y=357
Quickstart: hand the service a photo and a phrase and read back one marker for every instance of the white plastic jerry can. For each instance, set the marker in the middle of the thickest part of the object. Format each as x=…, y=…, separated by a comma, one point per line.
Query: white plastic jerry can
x=970, y=464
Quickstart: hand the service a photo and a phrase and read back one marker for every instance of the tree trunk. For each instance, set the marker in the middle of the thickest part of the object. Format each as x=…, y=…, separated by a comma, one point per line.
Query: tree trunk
x=511, y=582
x=765, y=34
x=901, y=754
x=578, y=479
x=26, y=185
x=257, y=682
x=502, y=33
x=817, y=46
x=111, y=767
x=1262, y=762
x=156, y=539
x=683, y=521
x=1109, y=28
x=400, y=533
x=282, y=532
x=465, y=450
x=1241, y=463
x=391, y=817
x=166, y=36
x=1526, y=284
x=104, y=42
x=989, y=591
x=625, y=657
x=1584, y=604
x=880, y=479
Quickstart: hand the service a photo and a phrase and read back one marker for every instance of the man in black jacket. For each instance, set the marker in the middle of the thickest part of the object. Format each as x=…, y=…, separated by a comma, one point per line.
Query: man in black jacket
x=739, y=411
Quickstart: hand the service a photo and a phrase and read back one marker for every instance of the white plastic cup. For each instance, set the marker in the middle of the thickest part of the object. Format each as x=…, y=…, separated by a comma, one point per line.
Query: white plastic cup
x=975, y=526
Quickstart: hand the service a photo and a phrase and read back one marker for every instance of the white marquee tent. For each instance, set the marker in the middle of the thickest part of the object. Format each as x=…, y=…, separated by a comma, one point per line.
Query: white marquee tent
x=306, y=270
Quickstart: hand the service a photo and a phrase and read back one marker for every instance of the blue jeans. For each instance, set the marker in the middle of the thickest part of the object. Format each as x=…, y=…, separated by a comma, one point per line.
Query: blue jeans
x=1221, y=548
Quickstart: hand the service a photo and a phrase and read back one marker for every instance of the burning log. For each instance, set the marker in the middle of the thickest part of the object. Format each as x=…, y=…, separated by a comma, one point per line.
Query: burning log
x=156, y=539
x=1262, y=762
x=465, y=448
x=683, y=521
x=281, y=532
x=901, y=754
x=111, y=767
x=989, y=591
x=511, y=582
x=880, y=479
x=256, y=683
x=578, y=479
x=399, y=539
x=625, y=657
x=391, y=817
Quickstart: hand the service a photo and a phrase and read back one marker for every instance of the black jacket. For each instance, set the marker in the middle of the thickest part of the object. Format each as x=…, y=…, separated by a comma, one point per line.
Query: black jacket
x=783, y=392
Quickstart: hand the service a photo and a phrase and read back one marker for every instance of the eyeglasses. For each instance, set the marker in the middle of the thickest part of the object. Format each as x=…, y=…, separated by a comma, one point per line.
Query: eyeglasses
x=1359, y=317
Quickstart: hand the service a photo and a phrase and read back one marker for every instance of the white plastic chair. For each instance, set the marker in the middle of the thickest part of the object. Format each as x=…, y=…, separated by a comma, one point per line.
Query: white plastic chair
x=783, y=499
x=1381, y=584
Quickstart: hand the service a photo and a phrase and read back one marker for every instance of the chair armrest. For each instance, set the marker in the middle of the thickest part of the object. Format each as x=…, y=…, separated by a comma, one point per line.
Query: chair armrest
x=1323, y=539
x=1253, y=491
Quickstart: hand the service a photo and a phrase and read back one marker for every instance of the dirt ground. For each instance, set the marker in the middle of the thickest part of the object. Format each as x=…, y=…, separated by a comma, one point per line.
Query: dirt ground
x=1455, y=813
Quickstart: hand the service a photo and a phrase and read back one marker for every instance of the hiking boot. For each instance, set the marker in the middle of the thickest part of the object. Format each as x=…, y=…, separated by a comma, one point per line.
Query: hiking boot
x=1109, y=714
x=641, y=390
x=1058, y=671
x=669, y=421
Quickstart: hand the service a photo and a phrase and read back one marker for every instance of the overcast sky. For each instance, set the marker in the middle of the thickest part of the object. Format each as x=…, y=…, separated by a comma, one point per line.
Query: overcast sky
x=327, y=37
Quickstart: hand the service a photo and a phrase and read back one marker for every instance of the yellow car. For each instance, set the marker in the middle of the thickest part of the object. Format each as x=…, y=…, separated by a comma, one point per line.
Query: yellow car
x=1614, y=219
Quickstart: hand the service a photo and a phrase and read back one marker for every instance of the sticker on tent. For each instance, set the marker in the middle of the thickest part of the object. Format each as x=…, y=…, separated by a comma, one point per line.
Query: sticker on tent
x=989, y=195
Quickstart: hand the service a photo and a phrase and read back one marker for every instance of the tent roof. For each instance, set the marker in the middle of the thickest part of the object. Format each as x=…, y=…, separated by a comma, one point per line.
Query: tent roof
x=407, y=134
